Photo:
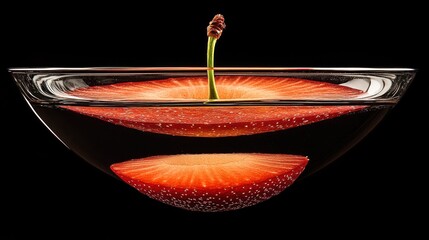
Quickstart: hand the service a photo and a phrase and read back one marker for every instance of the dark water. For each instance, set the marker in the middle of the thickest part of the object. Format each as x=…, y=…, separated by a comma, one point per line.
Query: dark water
x=102, y=143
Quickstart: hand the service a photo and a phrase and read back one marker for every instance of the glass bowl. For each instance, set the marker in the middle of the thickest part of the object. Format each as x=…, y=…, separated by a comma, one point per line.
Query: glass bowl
x=156, y=129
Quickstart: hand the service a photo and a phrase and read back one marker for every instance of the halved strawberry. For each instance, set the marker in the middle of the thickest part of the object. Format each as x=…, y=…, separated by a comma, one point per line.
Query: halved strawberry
x=216, y=121
x=212, y=182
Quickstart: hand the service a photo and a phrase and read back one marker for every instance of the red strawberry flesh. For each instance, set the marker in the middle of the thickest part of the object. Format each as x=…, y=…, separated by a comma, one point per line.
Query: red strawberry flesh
x=212, y=182
x=229, y=88
x=216, y=121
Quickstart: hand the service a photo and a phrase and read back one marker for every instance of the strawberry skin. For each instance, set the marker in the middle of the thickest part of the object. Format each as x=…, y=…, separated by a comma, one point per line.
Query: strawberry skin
x=212, y=182
x=216, y=121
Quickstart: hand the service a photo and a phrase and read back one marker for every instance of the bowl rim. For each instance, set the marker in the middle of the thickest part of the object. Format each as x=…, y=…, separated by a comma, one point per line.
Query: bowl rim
x=185, y=69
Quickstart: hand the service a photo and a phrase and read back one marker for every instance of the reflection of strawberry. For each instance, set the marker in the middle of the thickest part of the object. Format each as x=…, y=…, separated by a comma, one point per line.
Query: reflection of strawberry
x=216, y=121
x=212, y=182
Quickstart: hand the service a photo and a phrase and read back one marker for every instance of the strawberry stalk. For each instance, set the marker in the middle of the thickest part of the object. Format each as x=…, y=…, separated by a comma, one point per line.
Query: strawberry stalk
x=210, y=71
x=214, y=31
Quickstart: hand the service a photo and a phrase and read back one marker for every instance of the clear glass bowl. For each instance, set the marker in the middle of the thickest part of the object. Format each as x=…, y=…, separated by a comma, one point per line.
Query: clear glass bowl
x=109, y=116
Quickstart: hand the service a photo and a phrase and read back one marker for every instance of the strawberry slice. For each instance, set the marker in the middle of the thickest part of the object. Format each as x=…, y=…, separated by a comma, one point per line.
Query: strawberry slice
x=212, y=182
x=216, y=121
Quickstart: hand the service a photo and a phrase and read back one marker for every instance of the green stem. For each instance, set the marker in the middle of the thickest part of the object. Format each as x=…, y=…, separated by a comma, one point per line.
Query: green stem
x=213, y=95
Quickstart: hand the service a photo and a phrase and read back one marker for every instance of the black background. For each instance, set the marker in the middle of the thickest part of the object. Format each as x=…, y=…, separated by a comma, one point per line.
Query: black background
x=376, y=187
